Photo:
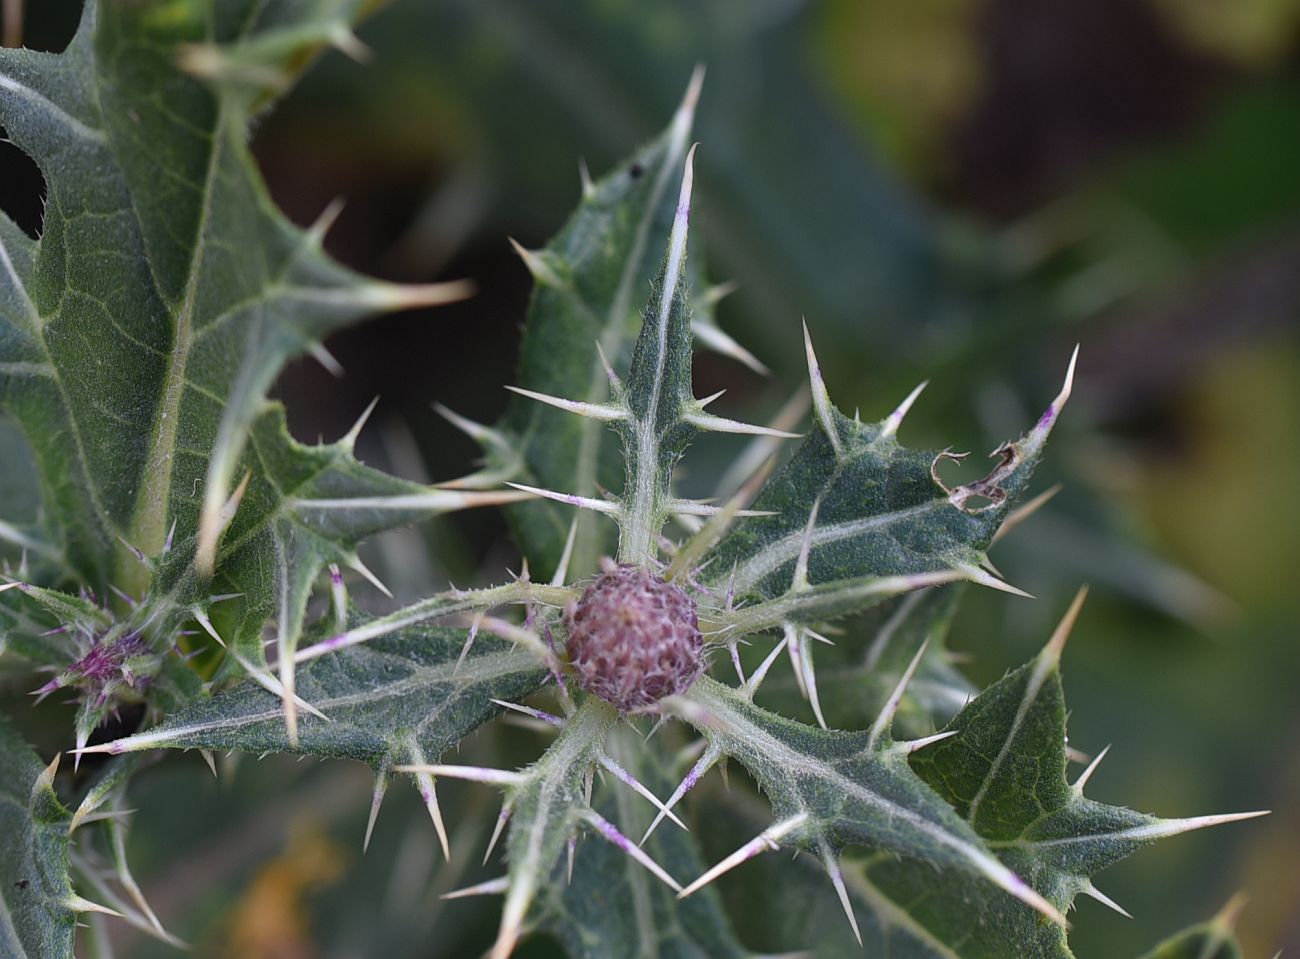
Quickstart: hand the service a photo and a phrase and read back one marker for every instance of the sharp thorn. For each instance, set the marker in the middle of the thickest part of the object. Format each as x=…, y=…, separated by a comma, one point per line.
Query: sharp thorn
x=502, y=819
x=837, y=880
x=355, y=563
x=885, y=720
x=1056, y=645
x=912, y=745
x=766, y=841
x=979, y=576
x=479, y=774
x=609, y=832
x=542, y=271
x=326, y=359
x=349, y=439
x=493, y=887
x=629, y=780
x=1087, y=773
x=376, y=800
x=1105, y=900
x=895, y=419
x=821, y=399
x=562, y=567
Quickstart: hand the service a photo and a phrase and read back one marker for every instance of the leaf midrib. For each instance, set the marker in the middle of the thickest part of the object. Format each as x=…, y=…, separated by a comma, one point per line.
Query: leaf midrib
x=153, y=504
x=478, y=668
x=714, y=695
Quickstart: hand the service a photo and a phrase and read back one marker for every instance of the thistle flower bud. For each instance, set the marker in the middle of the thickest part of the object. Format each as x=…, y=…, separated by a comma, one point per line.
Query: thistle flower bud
x=633, y=638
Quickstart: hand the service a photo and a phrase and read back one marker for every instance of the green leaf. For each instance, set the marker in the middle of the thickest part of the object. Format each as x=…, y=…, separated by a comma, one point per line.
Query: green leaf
x=306, y=507
x=767, y=887
x=589, y=281
x=831, y=789
x=1206, y=940
x=404, y=698
x=546, y=804
x=139, y=335
x=654, y=411
x=613, y=907
x=37, y=917
x=856, y=504
x=1004, y=773
x=22, y=532
x=657, y=402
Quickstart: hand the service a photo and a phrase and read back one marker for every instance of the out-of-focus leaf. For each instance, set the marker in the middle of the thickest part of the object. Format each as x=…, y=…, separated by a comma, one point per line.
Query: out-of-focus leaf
x=860, y=256
x=855, y=680
x=36, y=914
x=1206, y=940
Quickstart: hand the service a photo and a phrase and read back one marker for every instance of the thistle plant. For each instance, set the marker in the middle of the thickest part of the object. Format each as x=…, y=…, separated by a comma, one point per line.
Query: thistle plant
x=184, y=535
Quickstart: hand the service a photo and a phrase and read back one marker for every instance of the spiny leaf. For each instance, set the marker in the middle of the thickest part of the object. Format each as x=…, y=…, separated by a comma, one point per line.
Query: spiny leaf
x=590, y=280
x=654, y=411
x=399, y=699
x=1004, y=772
x=303, y=507
x=306, y=507
x=856, y=504
x=36, y=915
x=545, y=810
x=612, y=906
x=139, y=334
x=831, y=789
x=658, y=397
x=766, y=888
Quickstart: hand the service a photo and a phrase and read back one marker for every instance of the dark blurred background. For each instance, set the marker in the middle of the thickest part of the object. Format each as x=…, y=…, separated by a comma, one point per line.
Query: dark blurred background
x=951, y=189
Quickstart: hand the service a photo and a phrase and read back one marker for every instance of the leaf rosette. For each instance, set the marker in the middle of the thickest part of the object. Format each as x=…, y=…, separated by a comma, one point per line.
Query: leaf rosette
x=171, y=484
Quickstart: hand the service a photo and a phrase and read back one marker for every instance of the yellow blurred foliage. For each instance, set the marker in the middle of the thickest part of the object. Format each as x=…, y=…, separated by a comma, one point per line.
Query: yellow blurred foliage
x=271, y=921
x=907, y=70
x=1249, y=33
x=1227, y=504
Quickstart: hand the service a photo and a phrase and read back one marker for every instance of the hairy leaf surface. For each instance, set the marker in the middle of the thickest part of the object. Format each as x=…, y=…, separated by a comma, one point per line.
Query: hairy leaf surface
x=858, y=504
x=830, y=790
x=613, y=906
x=546, y=810
x=305, y=506
x=399, y=699
x=36, y=921
x=590, y=284
x=138, y=336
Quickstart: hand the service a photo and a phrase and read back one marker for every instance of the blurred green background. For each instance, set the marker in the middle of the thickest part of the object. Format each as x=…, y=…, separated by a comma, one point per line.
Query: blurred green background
x=951, y=189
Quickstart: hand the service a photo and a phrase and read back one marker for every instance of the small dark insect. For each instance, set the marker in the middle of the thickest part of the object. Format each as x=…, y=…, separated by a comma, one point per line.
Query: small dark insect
x=635, y=171
x=22, y=883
